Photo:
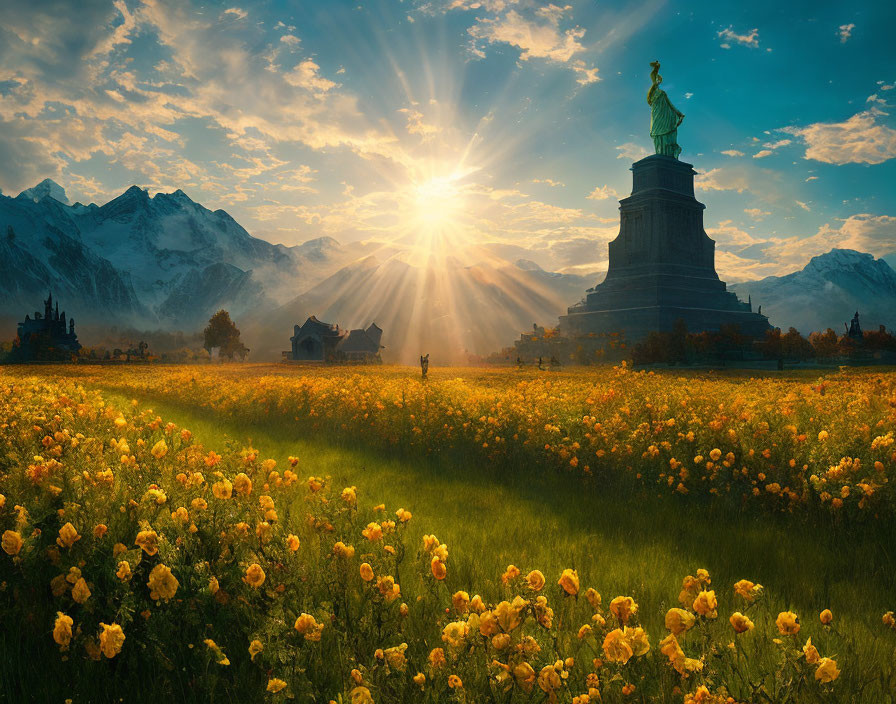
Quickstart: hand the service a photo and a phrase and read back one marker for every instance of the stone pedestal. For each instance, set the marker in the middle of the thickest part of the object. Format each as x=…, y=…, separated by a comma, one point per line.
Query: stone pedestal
x=662, y=265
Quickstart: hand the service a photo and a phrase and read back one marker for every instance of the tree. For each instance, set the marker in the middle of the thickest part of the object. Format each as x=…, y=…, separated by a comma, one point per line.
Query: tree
x=795, y=346
x=224, y=334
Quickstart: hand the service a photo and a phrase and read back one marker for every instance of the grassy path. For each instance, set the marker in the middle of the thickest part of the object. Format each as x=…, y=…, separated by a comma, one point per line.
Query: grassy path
x=619, y=545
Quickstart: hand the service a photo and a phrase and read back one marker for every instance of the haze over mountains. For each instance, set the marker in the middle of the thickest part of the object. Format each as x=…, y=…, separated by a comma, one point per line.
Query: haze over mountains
x=166, y=262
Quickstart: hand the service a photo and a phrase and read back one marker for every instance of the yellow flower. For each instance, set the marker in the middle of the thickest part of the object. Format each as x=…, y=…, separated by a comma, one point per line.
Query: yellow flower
x=255, y=647
x=788, y=623
x=62, y=630
x=437, y=658
x=366, y=572
x=455, y=682
x=254, y=575
x=242, y=485
x=419, y=679
x=403, y=515
x=746, y=589
x=706, y=604
x=307, y=626
x=395, y=657
x=361, y=695
x=827, y=670
x=524, y=676
x=159, y=450
x=637, y=640
x=292, y=542
x=455, y=633
x=222, y=489
x=340, y=549
x=372, y=532
x=535, y=580
x=11, y=542
x=162, y=583
x=569, y=580
x=111, y=639
x=275, y=685
x=350, y=496
x=678, y=621
x=811, y=653
x=100, y=529
x=124, y=571
x=149, y=541
x=617, y=647
x=68, y=536
x=593, y=598
x=460, y=601
x=80, y=592
x=740, y=623
x=889, y=620
x=439, y=571
x=511, y=573
x=623, y=607
x=826, y=617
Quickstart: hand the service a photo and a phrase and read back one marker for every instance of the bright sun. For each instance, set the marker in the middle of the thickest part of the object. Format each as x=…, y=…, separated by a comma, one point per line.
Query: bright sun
x=439, y=205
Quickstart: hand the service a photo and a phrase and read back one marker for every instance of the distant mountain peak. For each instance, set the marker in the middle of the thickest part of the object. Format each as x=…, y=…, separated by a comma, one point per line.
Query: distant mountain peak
x=47, y=188
x=527, y=265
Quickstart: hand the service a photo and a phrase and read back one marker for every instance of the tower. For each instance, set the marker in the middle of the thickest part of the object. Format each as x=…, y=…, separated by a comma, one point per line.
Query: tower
x=662, y=265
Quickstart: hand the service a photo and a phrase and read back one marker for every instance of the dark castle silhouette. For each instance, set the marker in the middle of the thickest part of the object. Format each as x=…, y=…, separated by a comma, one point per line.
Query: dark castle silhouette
x=47, y=336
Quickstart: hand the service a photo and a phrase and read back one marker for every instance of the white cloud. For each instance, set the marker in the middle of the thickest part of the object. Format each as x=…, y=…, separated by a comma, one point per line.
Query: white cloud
x=811, y=178
x=732, y=152
x=804, y=206
x=417, y=124
x=306, y=75
x=728, y=35
x=290, y=39
x=540, y=38
x=236, y=12
x=632, y=151
x=756, y=213
x=844, y=31
x=549, y=181
x=603, y=193
x=862, y=139
x=721, y=179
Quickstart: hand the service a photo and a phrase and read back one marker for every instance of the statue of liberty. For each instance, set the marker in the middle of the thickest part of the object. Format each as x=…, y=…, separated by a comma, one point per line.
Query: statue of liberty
x=664, y=117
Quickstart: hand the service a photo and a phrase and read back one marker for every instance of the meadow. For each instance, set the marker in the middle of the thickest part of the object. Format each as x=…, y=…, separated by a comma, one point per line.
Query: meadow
x=601, y=535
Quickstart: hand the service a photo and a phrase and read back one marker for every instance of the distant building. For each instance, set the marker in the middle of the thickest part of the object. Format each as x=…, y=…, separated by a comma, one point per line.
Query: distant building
x=854, y=331
x=46, y=337
x=361, y=345
x=316, y=341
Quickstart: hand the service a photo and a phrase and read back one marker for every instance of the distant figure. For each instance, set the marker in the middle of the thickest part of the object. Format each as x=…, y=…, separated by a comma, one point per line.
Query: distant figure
x=555, y=363
x=540, y=364
x=424, y=364
x=760, y=310
x=519, y=363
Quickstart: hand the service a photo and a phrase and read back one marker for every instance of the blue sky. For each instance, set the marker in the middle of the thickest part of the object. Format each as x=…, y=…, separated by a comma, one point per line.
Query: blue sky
x=494, y=126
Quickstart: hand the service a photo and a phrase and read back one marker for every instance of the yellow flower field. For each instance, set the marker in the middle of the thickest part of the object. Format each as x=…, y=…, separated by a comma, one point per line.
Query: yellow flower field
x=138, y=563
x=818, y=442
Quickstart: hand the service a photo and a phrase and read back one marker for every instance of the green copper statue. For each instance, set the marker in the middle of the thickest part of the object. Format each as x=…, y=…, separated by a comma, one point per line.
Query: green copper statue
x=664, y=117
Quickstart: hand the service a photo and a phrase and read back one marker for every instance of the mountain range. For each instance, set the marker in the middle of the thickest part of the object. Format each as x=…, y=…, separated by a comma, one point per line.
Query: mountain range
x=167, y=263
x=827, y=292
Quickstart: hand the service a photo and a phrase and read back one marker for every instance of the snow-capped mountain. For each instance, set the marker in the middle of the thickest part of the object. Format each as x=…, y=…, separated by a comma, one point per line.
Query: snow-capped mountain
x=162, y=261
x=827, y=292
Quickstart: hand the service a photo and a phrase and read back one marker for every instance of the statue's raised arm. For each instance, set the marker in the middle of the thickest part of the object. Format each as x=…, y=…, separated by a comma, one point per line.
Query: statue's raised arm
x=664, y=117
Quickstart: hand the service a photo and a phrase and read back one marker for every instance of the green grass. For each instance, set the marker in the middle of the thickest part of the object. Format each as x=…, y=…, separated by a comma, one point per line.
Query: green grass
x=491, y=516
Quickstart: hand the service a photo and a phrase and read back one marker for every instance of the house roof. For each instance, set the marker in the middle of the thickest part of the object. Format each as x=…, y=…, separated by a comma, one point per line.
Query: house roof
x=358, y=341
